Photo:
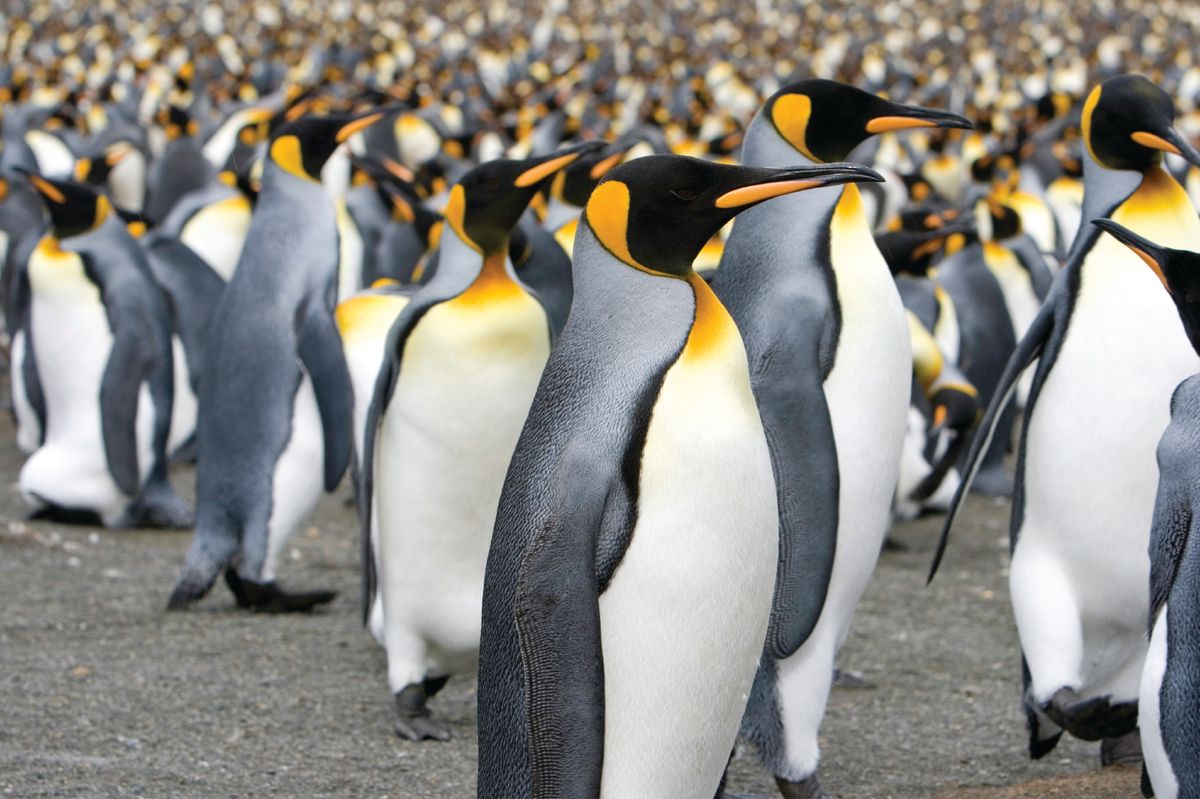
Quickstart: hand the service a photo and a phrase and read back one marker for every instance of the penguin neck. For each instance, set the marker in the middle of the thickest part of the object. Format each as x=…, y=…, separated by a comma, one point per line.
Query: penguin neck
x=764, y=147
x=1104, y=189
x=606, y=287
x=462, y=266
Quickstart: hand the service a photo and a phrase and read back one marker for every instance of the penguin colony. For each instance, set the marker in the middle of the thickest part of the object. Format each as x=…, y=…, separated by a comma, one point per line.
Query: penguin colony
x=629, y=343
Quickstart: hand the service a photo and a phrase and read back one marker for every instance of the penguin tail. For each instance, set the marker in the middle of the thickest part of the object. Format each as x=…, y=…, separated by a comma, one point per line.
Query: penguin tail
x=208, y=556
x=1027, y=351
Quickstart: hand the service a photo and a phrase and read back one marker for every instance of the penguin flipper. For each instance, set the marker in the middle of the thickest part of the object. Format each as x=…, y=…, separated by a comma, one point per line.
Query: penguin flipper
x=320, y=349
x=1028, y=350
x=1169, y=532
x=130, y=363
x=557, y=601
x=33, y=383
x=192, y=288
x=799, y=432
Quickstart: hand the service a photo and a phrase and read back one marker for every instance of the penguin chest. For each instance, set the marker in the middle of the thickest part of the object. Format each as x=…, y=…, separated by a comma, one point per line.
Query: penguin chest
x=1091, y=474
x=468, y=374
x=869, y=388
x=217, y=232
x=1019, y=296
x=364, y=322
x=71, y=339
x=684, y=618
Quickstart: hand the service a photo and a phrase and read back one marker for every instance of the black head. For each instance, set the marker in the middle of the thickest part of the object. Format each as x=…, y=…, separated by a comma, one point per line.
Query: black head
x=176, y=122
x=74, y=208
x=955, y=407
x=575, y=183
x=302, y=147
x=825, y=120
x=1006, y=222
x=656, y=213
x=487, y=202
x=1127, y=124
x=1179, y=271
x=95, y=169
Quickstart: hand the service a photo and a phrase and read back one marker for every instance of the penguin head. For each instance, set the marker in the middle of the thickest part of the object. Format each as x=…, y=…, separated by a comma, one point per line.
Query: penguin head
x=656, y=213
x=95, y=169
x=824, y=120
x=1006, y=222
x=177, y=123
x=956, y=407
x=575, y=183
x=74, y=208
x=1179, y=271
x=302, y=147
x=487, y=202
x=1127, y=123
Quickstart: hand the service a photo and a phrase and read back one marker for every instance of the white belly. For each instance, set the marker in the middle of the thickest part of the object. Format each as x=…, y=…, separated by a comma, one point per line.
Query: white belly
x=467, y=378
x=684, y=619
x=1091, y=474
x=868, y=394
x=298, y=479
x=1149, y=715
x=184, y=407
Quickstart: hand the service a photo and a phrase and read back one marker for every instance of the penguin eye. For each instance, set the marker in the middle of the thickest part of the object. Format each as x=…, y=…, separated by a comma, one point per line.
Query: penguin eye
x=684, y=194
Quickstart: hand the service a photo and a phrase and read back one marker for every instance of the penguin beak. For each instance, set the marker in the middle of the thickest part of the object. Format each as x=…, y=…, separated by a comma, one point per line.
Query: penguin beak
x=904, y=117
x=767, y=184
x=1171, y=141
x=1149, y=252
x=539, y=169
x=82, y=167
x=363, y=122
x=44, y=187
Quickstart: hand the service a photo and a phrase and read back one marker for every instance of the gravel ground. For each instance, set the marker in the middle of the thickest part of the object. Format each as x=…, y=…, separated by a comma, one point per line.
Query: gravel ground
x=105, y=695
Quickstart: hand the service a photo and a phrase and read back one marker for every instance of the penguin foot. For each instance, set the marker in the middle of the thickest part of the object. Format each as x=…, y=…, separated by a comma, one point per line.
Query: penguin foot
x=992, y=482
x=186, y=594
x=414, y=722
x=807, y=788
x=851, y=681
x=1124, y=751
x=1091, y=719
x=270, y=598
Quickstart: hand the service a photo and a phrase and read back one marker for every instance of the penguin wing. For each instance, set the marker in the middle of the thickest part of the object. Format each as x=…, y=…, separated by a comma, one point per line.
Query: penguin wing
x=1028, y=350
x=1034, y=262
x=33, y=383
x=557, y=614
x=192, y=288
x=790, y=391
x=131, y=363
x=320, y=350
x=1174, y=516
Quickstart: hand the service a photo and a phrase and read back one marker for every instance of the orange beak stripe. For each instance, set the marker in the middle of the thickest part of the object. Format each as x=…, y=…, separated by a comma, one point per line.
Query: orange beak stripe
x=47, y=189
x=763, y=191
x=1154, y=142
x=884, y=124
x=349, y=130
x=601, y=169
x=537, y=174
x=1150, y=262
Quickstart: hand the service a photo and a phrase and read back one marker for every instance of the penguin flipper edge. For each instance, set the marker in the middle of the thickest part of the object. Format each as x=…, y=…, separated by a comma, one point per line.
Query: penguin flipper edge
x=1028, y=350
x=557, y=596
x=799, y=431
x=321, y=352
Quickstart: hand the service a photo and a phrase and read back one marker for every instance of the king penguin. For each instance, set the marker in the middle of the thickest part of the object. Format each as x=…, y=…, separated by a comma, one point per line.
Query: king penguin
x=275, y=407
x=461, y=364
x=629, y=581
x=831, y=365
x=1110, y=351
x=98, y=336
x=1169, y=693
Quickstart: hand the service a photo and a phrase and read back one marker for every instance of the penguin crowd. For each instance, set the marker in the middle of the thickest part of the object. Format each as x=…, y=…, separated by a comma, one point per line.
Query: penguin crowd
x=629, y=329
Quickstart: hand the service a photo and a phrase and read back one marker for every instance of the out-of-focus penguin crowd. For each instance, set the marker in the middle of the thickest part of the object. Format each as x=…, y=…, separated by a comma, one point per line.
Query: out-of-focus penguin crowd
x=627, y=331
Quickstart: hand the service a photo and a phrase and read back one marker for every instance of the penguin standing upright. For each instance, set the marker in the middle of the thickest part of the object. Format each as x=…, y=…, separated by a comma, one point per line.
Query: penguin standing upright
x=460, y=368
x=1110, y=351
x=629, y=582
x=274, y=418
x=831, y=365
x=1169, y=693
x=98, y=336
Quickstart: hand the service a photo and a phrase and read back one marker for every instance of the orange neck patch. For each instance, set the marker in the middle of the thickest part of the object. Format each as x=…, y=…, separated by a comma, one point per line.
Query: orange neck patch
x=712, y=327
